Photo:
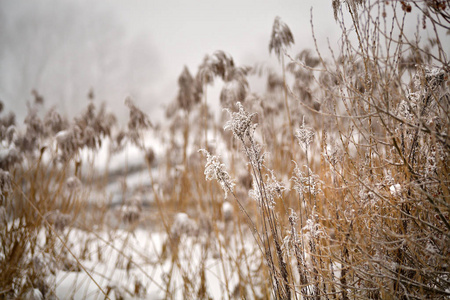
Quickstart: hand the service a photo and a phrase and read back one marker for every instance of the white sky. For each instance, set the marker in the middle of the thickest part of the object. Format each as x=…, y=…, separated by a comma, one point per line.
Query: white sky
x=184, y=31
x=136, y=47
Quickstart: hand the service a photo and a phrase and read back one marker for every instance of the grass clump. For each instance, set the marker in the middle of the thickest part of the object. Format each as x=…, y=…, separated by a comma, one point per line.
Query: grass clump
x=332, y=184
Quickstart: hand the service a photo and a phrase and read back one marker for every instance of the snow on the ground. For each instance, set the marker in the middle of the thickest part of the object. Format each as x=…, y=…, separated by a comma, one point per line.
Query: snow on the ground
x=134, y=266
x=130, y=156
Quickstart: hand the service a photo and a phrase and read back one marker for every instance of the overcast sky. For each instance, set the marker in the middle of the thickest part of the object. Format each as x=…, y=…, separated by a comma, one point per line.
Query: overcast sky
x=134, y=47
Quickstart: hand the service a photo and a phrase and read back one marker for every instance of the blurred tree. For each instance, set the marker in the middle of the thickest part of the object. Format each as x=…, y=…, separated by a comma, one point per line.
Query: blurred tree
x=64, y=50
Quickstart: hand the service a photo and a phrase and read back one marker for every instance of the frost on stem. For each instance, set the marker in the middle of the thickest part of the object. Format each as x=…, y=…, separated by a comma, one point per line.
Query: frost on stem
x=304, y=135
x=429, y=97
x=305, y=183
x=240, y=123
x=312, y=228
x=267, y=194
x=255, y=194
x=272, y=187
x=243, y=129
x=333, y=155
x=291, y=240
x=214, y=169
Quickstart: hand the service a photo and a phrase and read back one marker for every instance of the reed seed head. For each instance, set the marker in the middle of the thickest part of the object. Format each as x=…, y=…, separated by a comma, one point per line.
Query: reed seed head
x=281, y=37
x=304, y=135
x=188, y=93
x=240, y=123
x=215, y=169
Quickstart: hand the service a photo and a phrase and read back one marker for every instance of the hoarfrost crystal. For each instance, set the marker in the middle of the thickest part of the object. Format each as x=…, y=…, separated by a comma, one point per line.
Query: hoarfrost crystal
x=240, y=123
x=304, y=135
x=214, y=169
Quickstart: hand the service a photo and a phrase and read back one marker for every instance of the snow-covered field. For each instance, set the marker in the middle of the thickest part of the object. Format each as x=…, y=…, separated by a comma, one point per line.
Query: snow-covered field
x=138, y=264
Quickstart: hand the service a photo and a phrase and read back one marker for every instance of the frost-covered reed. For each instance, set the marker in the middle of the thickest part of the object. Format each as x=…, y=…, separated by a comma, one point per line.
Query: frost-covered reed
x=332, y=184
